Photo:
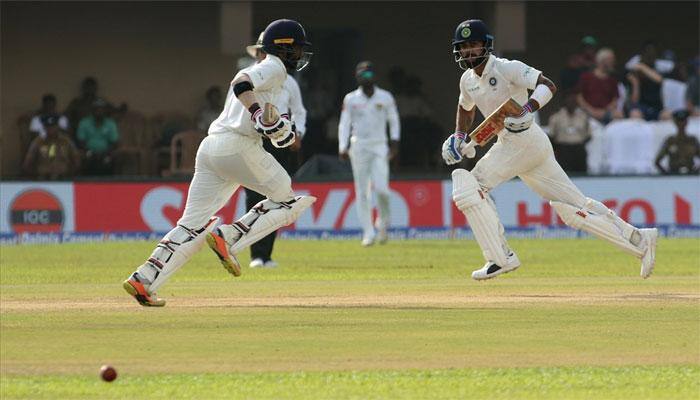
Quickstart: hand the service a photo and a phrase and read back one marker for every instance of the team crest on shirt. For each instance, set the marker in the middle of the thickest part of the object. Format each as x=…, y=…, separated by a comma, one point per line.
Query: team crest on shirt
x=493, y=81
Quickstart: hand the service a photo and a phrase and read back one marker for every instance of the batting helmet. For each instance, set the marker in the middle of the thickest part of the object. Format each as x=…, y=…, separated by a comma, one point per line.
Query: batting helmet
x=286, y=39
x=472, y=30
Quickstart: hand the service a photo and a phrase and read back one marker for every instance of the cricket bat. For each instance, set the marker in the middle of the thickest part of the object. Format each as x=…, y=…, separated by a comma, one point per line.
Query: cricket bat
x=493, y=124
x=270, y=114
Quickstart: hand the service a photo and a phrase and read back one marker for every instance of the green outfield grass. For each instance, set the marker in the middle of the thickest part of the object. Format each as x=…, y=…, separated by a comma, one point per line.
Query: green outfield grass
x=339, y=321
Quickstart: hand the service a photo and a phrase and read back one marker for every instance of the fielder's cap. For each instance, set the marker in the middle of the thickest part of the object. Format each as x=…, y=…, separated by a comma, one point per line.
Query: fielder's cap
x=589, y=41
x=365, y=69
x=50, y=120
x=254, y=47
x=680, y=115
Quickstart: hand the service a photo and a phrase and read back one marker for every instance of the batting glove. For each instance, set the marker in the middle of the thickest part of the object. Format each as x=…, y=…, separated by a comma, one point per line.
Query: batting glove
x=521, y=122
x=286, y=140
x=451, y=148
x=276, y=130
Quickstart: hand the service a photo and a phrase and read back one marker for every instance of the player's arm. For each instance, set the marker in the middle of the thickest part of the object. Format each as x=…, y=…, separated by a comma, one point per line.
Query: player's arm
x=543, y=93
x=344, y=131
x=244, y=90
x=464, y=119
x=660, y=156
x=394, y=128
x=279, y=131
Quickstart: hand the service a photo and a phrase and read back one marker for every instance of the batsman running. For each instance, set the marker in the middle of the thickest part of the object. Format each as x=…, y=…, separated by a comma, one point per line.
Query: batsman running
x=522, y=150
x=231, y=156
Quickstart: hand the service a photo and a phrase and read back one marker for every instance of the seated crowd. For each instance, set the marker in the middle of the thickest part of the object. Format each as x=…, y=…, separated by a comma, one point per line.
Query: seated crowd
x=94, y=137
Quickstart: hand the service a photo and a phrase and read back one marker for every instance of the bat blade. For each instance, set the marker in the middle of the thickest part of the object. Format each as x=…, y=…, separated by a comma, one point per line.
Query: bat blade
x=494, y=123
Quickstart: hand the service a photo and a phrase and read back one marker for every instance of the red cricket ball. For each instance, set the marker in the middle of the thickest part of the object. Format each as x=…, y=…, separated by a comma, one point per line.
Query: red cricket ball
x=108, y=373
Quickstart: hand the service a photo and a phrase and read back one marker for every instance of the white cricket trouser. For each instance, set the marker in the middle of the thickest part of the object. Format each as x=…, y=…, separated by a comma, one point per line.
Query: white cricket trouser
x=529, y=155
x=370, y=168
x=225, y=162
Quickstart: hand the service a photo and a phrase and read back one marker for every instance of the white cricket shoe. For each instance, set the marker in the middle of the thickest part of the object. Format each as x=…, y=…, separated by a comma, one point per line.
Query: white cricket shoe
x=382, y=236
x=491, y=270
x=270, y=264
x=649, y=257
x=257, y=263
x=367, y=241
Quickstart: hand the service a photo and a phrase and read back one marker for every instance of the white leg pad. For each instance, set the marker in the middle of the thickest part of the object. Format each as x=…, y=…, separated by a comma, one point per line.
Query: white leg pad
x=173, y=251
x=266, y=217
x=596, y=219
x=482, y=216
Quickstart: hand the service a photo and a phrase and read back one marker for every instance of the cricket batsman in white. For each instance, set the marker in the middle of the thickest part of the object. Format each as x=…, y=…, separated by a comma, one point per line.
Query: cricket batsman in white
x=362, y=137
x=230, y=156
x=522, y=150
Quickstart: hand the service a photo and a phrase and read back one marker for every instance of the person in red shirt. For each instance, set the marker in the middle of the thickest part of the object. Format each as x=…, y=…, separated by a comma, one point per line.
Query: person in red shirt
x=598, y=92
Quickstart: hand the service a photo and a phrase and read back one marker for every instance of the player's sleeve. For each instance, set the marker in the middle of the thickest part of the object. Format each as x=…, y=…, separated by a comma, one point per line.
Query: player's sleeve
x=266, y=74
x=520, y=73
x=297, y=106
x=344, y=126
x=393, y=118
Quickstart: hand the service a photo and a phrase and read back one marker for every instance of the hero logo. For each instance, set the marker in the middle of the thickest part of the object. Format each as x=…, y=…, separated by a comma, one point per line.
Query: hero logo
x=642, y=209
x=36, y=210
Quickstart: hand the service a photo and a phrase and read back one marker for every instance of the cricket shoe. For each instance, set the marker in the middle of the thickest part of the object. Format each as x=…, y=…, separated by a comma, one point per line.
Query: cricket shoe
x=217, y=242
x=382, y=236
x=137, y=286
x=649, y=257
x=367, y=241
x=492, y=270
x=257, y=263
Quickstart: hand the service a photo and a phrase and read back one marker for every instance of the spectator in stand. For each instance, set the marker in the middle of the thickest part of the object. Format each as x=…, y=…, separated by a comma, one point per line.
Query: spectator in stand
x=570, y=131
x=673, y=88
x=211, y=110
x=693, y=92
x=53, y=156
x=98, y=135
x=597, y=89
x=48, y=107
x=579, y=63
x=682, y=150
x=81, y=107
x=645, y=97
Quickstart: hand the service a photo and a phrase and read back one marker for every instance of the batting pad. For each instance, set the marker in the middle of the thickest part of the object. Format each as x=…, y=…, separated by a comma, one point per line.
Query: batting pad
x=602, y=222
x=481, y=214
x=173, y=251
x=272, y=219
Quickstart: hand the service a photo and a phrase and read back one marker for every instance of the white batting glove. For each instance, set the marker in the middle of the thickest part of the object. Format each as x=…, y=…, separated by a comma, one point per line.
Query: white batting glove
x=520, y=122
x=451, y=148
x=276, y=130
x=287, y=140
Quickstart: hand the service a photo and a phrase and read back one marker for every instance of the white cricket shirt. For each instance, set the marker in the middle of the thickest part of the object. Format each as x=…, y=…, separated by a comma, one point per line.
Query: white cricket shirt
x=268, y=78
x=365, y=118
x=500, y=80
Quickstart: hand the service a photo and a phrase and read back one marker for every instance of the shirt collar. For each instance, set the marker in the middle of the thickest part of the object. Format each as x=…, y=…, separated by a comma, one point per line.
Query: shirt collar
x=489, y=65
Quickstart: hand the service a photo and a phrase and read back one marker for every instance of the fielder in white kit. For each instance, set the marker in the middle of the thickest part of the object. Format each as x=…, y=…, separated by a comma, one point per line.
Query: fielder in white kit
x=230, y=156
x=522, y=150
x=362, y=138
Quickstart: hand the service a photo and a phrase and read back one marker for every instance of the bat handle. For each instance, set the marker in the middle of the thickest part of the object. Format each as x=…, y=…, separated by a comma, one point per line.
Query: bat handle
x=465, y=149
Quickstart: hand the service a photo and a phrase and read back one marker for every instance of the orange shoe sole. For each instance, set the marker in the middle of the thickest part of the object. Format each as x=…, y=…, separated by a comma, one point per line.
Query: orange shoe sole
x=219, y=246
x=139, y=292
